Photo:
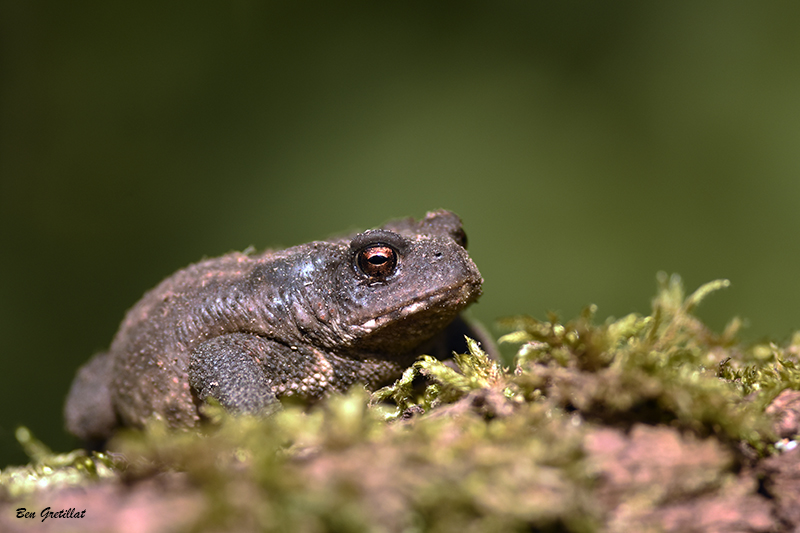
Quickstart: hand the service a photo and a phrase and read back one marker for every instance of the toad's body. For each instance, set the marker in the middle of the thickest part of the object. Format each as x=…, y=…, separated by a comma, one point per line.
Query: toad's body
x=305, y=321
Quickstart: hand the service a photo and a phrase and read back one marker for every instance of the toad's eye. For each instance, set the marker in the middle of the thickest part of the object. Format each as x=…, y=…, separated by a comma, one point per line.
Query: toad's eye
x=377, y=261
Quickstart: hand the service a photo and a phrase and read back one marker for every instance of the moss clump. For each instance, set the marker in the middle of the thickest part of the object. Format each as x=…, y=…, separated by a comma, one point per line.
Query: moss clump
x=48, y=470
x=342, y=467
x=666, y=368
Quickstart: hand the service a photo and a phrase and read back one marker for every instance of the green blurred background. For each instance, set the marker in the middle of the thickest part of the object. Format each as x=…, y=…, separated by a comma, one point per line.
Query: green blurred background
x=586, y=146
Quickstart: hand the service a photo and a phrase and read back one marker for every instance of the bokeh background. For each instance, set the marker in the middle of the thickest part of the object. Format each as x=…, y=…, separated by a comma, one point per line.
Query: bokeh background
x=586, y=146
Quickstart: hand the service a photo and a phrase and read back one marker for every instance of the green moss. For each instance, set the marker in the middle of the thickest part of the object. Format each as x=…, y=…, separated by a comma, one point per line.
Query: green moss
x=48, y=470
x=666, y=368
x=476, y=371
x=342, y=467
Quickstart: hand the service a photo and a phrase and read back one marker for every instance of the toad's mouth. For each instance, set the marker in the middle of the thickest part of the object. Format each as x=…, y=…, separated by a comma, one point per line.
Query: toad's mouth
x=420, y=319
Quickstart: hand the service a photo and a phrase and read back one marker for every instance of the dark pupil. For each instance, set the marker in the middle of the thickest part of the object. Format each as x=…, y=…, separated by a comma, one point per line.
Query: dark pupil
x=377, y=261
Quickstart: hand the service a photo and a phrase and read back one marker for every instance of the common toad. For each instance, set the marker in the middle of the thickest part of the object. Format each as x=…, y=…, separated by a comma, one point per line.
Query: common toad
x=248, y=329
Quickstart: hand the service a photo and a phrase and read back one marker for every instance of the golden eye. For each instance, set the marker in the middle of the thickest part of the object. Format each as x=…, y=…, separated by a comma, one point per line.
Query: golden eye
x=377, y=261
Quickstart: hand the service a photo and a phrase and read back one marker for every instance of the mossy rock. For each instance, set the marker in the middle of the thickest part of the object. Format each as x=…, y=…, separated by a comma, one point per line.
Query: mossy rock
x=645, y=423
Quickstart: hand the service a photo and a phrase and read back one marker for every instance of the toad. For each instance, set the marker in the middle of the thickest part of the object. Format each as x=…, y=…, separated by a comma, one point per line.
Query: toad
x=247, y=329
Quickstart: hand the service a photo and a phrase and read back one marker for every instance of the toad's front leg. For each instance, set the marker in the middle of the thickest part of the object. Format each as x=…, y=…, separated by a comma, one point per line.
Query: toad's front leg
x=233, y=369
